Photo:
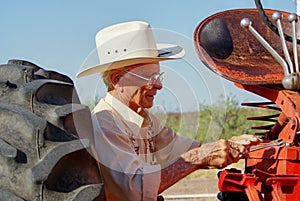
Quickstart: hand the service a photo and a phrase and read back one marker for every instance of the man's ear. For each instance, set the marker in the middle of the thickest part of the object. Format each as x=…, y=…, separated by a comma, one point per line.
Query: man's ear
x=114, y=77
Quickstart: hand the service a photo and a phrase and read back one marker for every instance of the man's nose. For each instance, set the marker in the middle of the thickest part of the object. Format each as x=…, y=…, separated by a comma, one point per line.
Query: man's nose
x=158, y=85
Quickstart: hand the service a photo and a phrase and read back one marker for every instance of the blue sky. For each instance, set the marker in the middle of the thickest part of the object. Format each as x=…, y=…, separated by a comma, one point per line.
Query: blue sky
x=59, y=35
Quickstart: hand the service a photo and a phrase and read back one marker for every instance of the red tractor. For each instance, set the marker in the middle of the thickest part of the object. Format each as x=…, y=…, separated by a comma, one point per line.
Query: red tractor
x=257, y=49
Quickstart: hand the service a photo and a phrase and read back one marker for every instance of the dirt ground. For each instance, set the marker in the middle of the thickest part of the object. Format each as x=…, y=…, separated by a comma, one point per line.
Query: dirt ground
x=200, y=183
x=195, y=187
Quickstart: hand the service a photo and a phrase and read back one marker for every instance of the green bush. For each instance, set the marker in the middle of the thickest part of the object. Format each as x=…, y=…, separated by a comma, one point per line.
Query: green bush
x=222, y=120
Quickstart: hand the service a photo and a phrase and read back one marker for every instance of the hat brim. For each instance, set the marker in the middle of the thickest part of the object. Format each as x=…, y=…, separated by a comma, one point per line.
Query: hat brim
x=165, y=52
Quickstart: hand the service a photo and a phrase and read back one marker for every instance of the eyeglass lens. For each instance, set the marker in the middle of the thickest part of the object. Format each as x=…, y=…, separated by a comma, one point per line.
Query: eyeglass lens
x=156, y=77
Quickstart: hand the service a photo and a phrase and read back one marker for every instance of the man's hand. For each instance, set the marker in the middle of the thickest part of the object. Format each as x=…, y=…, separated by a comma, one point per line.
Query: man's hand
x=246, y=140
x=217, y=154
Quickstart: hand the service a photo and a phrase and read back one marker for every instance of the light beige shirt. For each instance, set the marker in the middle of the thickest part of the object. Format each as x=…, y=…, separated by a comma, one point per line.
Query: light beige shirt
x=130, y=155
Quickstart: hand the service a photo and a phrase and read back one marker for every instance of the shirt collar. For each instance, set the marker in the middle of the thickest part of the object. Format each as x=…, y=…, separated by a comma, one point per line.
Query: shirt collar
x=126, y=113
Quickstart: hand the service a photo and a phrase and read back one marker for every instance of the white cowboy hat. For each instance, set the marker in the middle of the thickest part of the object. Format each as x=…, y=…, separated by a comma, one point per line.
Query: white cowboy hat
x=128, y=44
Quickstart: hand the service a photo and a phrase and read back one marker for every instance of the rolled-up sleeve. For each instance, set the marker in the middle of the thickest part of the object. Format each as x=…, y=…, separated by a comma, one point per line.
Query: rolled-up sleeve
x=169, y=145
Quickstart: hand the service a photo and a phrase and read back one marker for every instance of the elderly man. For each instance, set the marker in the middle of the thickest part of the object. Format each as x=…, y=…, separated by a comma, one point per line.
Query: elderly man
x=139, y=158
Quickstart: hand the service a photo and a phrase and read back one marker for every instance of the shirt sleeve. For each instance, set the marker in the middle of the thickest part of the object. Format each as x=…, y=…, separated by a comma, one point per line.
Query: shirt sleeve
x=126, y=177
x=169, y=145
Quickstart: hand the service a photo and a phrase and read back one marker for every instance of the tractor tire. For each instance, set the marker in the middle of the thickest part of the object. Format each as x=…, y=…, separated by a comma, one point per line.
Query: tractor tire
x=42, y=157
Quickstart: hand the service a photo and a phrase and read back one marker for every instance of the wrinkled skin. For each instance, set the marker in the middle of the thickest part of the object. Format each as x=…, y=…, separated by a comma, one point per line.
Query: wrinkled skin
x=134, y=91
x=221, y=153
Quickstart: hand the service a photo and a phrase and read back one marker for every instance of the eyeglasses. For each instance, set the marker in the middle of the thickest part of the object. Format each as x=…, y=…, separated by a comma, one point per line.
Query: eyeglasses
x=152, y=80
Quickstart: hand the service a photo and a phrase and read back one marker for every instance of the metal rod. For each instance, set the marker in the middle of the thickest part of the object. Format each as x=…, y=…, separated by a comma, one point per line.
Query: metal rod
x=293, y=19
x=264, y=105
x=277, y=142
x=277, y=16
x=265, y=118
x=246, y=23
x=267, y=127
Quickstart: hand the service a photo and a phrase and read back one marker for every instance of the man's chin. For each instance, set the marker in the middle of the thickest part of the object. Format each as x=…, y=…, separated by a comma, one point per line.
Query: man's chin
x=148, y=105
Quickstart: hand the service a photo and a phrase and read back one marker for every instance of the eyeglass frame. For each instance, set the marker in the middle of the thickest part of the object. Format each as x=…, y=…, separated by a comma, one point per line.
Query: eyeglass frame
x=152, y=80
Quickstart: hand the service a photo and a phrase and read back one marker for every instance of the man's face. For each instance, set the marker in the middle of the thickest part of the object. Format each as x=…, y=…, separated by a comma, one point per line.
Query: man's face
x=138, y=91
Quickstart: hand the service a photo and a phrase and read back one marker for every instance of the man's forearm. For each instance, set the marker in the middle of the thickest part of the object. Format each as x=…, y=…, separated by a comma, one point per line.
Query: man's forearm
x=176, y=171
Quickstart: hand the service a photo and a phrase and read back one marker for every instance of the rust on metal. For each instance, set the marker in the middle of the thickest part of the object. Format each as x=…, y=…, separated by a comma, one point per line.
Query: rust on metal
x=272, y=167
x=232, y=52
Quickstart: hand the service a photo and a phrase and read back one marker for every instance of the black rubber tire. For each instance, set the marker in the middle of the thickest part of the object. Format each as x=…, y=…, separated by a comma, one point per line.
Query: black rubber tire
x=42, y=157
